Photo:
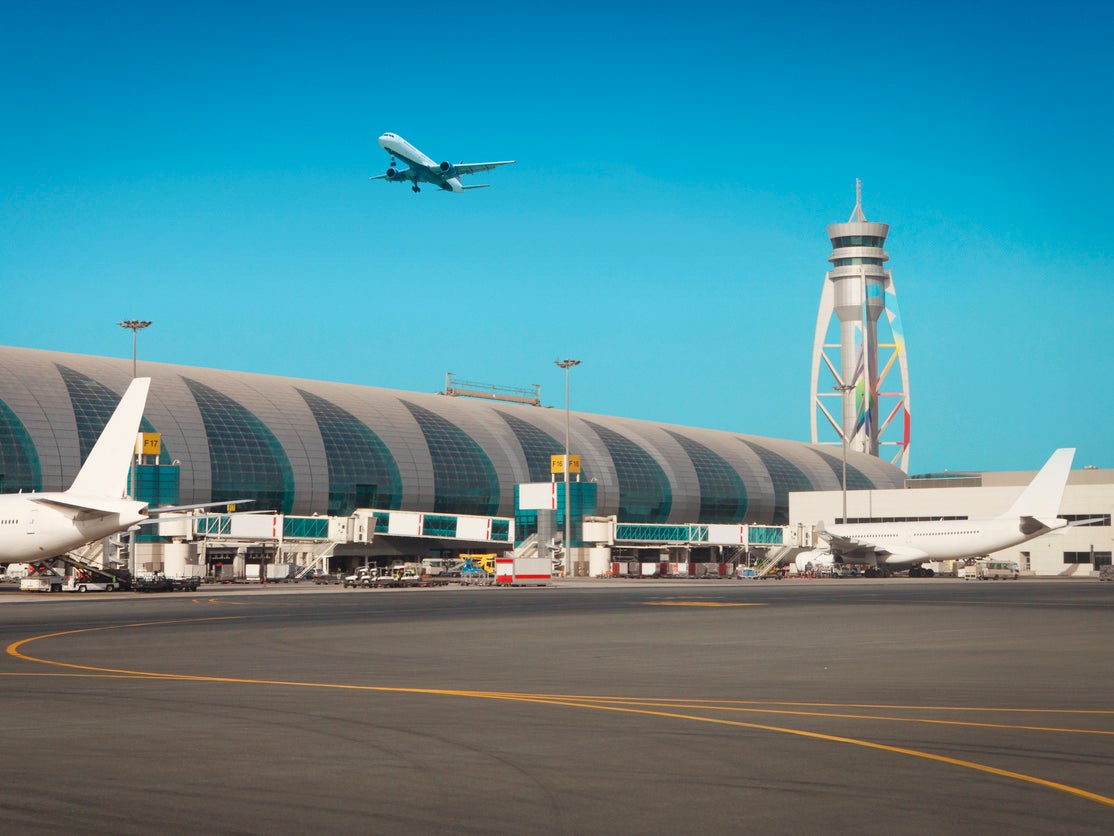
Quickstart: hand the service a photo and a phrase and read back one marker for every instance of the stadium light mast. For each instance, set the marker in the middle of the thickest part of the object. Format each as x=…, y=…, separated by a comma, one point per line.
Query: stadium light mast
x=135, y=326
x=566, y=364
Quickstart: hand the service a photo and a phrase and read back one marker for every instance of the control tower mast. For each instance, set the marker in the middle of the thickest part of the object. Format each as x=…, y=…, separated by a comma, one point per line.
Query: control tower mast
x=856, y=377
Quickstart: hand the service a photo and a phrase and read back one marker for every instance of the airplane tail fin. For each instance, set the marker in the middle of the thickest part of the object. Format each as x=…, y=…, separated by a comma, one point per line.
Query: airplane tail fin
x=1041, y=499
x=105, y=472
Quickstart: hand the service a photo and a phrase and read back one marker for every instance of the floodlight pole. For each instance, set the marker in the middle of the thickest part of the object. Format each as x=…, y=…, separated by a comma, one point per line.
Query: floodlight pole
x=566, y=365
x=843, y=389
x=134, y=325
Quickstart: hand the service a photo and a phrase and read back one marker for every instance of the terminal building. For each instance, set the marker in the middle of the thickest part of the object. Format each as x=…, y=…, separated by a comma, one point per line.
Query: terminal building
x=426, y=464
x=355, y=474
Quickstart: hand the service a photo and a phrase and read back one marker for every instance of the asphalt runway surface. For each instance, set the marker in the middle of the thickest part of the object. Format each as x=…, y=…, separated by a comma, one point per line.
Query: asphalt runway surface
x=613, y=706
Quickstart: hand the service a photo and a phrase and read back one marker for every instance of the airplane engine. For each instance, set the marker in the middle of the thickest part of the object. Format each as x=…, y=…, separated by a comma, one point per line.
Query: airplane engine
x=392, y=174
x=448, y=169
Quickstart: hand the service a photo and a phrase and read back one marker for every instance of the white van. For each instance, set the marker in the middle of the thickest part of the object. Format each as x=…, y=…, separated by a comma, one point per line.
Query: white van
x=995, y=570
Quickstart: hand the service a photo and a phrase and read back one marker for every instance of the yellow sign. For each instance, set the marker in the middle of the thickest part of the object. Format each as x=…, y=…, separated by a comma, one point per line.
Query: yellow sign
x=148, y=444
x=557, y=464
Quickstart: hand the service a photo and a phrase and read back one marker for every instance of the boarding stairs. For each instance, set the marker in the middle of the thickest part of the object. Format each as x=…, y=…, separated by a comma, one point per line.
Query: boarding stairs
x=773, y=558
x=527, y=548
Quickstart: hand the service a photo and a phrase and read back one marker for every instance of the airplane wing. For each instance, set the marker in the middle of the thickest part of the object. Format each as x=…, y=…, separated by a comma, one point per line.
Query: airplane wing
x=163, y=509
x=88, y=504
x=903, y=553
x=853, y=550
x=475, y=168
x=845, y=546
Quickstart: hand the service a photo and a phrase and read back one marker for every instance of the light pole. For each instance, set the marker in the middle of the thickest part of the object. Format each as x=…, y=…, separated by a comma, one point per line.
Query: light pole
x=843, y=389
x=134, y=325
x=566, y=365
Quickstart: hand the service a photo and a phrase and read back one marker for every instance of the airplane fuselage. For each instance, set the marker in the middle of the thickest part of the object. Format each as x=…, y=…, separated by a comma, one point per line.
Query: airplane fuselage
x=418, y=162
x=911, y=543
x=32, y=528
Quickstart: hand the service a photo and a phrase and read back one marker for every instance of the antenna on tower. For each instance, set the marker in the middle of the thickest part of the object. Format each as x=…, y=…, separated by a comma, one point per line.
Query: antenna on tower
x=857, y=215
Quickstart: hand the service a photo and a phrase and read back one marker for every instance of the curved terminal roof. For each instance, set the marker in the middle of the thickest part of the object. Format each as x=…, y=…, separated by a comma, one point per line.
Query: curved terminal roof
x=313, y=447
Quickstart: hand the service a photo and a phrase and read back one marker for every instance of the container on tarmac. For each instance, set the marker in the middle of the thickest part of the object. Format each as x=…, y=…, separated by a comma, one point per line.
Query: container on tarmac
x=281, y=571
x=523, y=571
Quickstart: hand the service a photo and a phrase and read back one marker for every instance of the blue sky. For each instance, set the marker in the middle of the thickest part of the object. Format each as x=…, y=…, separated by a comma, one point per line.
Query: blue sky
x=206, y=167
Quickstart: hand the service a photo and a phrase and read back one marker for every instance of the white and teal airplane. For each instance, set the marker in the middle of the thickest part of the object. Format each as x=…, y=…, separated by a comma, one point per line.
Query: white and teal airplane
x=897, y=546
x=444, y=175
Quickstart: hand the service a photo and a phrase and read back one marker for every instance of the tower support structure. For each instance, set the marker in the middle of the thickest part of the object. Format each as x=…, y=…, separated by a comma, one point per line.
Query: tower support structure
x=860, y=374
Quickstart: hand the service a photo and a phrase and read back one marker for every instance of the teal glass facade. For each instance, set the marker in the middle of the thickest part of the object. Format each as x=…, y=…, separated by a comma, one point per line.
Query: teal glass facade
x=786, y=477
x=19, y=460
x=856, y=479
x=723, y=496
x=537, y=446
x=362, y=472
x=247, y=460
x=644, y=490
x=157, y=485
x=464, y=478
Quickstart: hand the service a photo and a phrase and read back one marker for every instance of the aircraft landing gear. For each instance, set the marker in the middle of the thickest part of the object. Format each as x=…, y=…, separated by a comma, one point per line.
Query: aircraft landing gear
x=415, y=188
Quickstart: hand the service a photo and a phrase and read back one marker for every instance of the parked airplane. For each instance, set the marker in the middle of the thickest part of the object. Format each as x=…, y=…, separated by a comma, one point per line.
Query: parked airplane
x=887, y=547
x=38, y=526
x=421, y=168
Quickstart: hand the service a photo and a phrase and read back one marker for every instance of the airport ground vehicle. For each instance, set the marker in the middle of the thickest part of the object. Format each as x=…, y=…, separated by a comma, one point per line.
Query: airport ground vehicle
x=42, y=582
x=74, y=584
x=161, y=583
x=364, y=576
x=994, y=570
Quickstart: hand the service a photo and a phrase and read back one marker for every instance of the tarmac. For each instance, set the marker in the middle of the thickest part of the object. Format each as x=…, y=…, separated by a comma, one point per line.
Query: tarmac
x=588, y=706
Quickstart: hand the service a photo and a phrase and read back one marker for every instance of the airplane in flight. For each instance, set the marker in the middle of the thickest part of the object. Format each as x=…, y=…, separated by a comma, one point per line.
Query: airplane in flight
x=444, y=175
x=888, y=547
x=38, y=526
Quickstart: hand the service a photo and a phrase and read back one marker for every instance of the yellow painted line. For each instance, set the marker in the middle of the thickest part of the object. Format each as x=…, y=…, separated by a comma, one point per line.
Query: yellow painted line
x=978, y=767
x=711, y=706
x=878, y=706
x=571, y=702
x=695, y=604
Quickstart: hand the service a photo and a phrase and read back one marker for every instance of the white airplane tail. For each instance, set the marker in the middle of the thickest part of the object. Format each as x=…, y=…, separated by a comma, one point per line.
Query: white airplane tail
x=1041, y=499
x=105, y=472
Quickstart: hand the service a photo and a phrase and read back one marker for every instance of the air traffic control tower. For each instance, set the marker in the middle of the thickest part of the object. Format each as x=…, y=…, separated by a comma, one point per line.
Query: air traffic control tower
x=860, y=379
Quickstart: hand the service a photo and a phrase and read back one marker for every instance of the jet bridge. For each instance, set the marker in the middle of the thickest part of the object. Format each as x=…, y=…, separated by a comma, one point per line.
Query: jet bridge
x=237, y=541
x=694, y=548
